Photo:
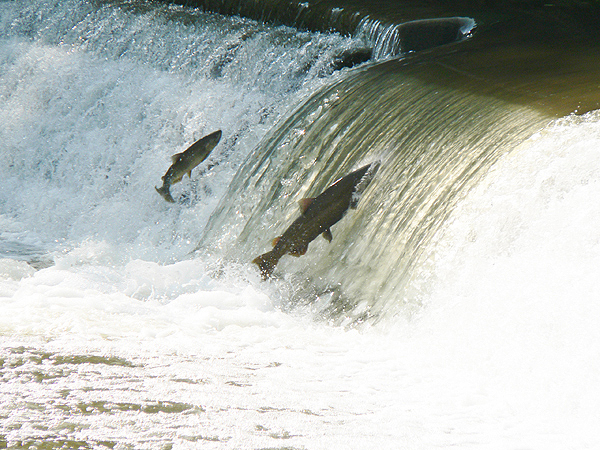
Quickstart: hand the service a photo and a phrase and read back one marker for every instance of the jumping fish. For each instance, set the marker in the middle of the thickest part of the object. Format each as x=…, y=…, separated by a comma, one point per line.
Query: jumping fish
x=186, y=161
x=319, y=214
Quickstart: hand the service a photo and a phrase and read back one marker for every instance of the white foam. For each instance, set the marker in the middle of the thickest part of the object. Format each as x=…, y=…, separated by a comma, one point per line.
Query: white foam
x=96, y=101
x=514, y=305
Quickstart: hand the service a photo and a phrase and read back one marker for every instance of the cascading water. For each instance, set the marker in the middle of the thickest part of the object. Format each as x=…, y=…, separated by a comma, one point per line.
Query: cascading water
x=433, y=143
x=95, y=101
x=467, y=274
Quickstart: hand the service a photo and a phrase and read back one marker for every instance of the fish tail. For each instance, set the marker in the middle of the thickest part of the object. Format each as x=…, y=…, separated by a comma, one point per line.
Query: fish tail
x=164, y=192
x=266, y=263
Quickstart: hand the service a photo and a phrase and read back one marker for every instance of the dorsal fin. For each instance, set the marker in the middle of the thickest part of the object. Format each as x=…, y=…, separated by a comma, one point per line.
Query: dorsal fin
x=176, y=157
x=304, y=204
x=327, y=234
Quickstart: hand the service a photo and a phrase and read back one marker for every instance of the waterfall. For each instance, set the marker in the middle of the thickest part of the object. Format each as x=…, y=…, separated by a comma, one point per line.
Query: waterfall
x=433, y=142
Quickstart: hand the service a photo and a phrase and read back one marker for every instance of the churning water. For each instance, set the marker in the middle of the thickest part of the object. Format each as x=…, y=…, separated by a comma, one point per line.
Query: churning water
x=115, y=334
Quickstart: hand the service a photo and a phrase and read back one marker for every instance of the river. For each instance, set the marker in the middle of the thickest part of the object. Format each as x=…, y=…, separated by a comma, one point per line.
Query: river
x=456, y=306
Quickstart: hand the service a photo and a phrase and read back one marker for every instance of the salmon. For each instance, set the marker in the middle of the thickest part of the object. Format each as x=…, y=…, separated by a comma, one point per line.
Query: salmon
x=186, y=161
x=317, y=217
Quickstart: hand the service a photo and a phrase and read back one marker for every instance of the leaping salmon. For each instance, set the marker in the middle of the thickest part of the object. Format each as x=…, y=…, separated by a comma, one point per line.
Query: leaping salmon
x=319, y=214
x=186, y=161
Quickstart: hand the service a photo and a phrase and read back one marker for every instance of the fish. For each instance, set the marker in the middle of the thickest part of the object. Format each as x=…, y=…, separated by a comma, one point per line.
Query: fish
x=186, y=161
x=317, y=217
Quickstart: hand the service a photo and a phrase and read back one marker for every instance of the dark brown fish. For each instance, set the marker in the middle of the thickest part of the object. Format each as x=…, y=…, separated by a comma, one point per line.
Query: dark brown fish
x=318, y=216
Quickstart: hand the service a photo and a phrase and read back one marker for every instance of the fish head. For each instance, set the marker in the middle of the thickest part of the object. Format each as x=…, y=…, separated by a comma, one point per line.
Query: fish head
x=369, y=173
x=213, y=139
x=364, y=181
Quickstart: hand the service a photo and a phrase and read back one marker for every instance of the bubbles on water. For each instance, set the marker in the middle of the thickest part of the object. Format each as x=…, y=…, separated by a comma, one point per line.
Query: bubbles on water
x=14, y=270
x=513, y=278
x=97, y=98
x=539, y=197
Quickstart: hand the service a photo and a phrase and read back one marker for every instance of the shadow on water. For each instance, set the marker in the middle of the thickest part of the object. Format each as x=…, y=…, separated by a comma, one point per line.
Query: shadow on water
x=546, y=52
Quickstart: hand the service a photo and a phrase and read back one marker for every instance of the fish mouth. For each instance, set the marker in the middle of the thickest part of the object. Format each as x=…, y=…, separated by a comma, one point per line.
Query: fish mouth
x=367, y=177
x=373, y=168
x=215, y=137
x=364, y=182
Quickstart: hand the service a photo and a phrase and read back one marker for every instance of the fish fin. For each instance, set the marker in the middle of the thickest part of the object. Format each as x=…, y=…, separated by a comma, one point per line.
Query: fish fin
x=327, y=234
x=176, y=157
x=164, y=192
x=299, y=251
x=190, y=174
x=304, y=204
x=266, y=264
x=275, y=241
